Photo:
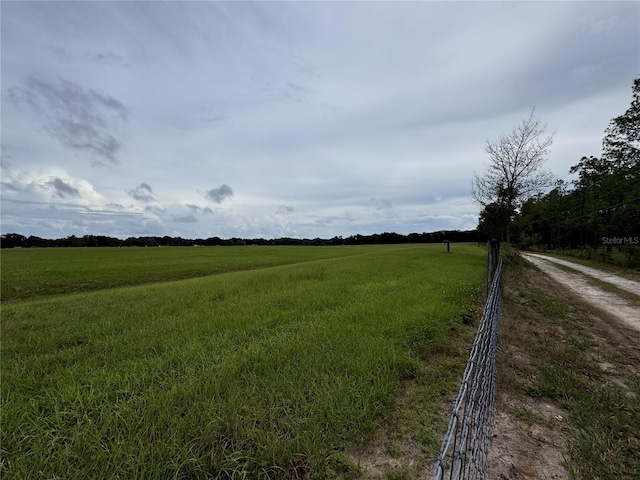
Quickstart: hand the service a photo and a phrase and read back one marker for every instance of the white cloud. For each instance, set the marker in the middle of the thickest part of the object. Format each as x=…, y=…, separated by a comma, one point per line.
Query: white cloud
x=52, y=184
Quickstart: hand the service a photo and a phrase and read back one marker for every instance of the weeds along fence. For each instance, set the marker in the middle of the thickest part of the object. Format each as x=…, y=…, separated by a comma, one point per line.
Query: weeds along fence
x=465, y=448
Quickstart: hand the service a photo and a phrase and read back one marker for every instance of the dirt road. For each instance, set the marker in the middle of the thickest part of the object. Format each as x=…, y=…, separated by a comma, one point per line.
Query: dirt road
x=588, y=283
x=595, y=343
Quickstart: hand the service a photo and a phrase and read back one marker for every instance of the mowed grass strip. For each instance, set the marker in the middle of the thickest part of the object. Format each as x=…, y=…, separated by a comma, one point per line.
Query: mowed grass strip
x=35, y=272
x=266, y=373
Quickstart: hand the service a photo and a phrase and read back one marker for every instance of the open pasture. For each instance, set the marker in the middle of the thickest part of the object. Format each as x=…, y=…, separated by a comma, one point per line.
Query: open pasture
x=254, y=373
x=37, y=272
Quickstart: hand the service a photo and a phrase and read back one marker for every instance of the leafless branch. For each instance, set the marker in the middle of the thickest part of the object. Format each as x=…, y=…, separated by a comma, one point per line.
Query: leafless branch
x=515, y=168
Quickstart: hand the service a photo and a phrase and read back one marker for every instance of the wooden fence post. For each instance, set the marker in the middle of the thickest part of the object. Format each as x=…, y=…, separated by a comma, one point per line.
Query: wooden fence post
x=493, y=255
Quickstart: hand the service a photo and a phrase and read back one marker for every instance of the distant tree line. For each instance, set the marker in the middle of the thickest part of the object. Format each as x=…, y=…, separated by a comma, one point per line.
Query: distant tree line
x=601, y=207
x=15, y=240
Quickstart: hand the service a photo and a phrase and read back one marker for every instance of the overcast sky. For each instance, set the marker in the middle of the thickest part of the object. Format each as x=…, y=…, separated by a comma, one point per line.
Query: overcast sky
x=271, y=119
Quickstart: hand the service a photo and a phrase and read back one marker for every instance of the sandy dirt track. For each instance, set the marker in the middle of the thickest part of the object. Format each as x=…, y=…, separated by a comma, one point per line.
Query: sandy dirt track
x=531, y=433
x=579, y=280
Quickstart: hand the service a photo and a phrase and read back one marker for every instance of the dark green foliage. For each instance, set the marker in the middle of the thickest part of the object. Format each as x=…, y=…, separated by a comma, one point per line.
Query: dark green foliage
x=603, y=203
x=15, y=240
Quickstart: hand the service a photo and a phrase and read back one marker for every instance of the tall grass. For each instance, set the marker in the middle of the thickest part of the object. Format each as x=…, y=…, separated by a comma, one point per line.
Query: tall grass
x=253, y=374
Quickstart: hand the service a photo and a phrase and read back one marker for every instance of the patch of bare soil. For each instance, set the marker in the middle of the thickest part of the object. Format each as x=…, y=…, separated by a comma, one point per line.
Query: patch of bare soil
x=528, y=448
x=384, y=455
x=531, y=432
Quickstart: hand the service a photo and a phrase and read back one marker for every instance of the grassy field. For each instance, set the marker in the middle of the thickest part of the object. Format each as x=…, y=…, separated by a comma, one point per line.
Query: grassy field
x=37, y=272
x=251, y=372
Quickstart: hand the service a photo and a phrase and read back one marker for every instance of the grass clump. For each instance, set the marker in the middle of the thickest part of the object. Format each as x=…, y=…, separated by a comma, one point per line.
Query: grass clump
x=260, y=373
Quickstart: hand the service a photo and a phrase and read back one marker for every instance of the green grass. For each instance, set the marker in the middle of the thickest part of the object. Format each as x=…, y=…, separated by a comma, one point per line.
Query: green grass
x=37, y=272
x=260, y=373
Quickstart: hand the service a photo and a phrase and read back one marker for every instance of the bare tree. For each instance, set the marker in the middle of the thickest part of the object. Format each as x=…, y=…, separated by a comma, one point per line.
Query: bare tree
x=515, y=170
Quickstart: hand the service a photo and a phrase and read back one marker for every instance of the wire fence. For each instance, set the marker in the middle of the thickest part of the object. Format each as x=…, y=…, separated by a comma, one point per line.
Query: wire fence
x=465, y=448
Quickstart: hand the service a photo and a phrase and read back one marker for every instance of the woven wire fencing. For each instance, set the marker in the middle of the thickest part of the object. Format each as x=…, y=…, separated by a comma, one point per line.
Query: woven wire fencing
x=465, y=448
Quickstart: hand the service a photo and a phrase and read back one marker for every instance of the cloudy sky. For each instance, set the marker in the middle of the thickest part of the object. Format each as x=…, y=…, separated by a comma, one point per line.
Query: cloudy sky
x=302, y=119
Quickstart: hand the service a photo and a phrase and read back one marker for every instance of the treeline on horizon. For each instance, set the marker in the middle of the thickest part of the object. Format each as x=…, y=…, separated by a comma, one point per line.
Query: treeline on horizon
x=15, y=240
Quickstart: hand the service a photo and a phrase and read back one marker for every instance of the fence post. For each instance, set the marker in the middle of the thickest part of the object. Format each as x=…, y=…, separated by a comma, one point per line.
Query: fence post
x=493, y=255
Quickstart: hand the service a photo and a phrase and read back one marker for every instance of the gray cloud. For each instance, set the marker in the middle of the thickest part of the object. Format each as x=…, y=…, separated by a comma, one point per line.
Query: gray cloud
x=295, y=92
x=198, y=209
x=52, y=220
x=107, y=58
x=296, y=87
x=80, y=119
x=218, y=195
x=189, y=218
x=10, y=185
x=142, y=193
x=214, y=119
x=154, y=209
x=285, y=210
x=62, y=189
x=384, y=204
x=8, y=181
